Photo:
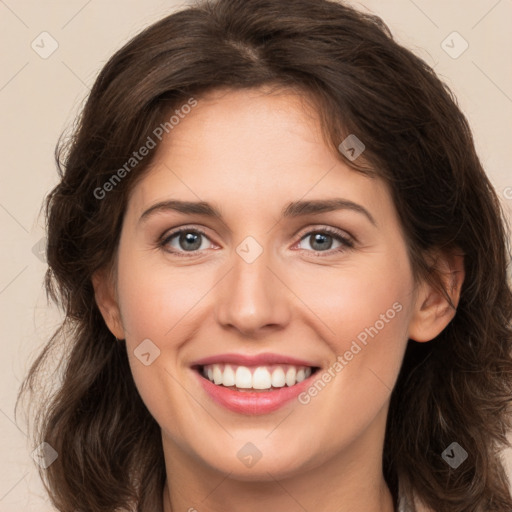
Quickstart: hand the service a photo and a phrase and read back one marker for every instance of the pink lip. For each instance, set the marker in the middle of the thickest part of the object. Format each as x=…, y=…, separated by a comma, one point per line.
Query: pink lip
x=256, y=360
x=252, y=403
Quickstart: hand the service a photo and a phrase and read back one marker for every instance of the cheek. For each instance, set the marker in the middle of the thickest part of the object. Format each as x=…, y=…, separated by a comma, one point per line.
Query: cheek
x=359, y=301
x=363, y=313
x=367, y=309
x=157, y=305
x=154, y=300
x=367, y=316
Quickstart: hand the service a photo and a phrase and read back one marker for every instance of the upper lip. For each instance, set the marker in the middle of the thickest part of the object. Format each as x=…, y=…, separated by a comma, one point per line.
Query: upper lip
x=252, y=360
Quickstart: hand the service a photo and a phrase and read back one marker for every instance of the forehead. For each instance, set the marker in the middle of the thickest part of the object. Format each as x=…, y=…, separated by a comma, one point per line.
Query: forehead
x=252, y=149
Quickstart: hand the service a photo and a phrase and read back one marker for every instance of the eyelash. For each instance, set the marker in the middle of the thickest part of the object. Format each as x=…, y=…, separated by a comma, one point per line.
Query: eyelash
x=347, y=243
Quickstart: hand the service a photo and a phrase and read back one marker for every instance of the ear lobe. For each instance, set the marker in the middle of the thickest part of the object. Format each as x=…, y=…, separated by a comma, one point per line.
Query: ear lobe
x=105, y=296
x=432, y=310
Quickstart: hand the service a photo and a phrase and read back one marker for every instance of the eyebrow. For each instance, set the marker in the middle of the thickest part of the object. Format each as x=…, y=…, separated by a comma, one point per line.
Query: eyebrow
x=292, y=210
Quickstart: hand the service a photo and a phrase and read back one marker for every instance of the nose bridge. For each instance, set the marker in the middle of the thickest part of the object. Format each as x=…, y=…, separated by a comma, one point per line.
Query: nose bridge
x=251, y=297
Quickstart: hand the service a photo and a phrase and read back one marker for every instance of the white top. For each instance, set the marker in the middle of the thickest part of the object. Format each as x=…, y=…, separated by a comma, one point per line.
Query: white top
x=404, y=506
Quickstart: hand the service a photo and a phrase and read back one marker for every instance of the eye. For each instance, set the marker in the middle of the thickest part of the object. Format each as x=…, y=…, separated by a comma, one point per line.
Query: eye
x=322, y=240
x=192, y=240
x=184, y=240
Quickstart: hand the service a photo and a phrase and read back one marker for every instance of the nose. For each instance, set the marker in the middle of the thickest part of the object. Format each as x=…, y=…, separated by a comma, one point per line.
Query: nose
x=252, y=298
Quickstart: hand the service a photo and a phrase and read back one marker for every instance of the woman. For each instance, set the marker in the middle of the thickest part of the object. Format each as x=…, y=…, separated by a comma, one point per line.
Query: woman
x=256, y=369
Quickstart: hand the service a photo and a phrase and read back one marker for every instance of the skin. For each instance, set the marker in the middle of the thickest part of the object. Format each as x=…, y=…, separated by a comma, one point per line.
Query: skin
x=250, y=153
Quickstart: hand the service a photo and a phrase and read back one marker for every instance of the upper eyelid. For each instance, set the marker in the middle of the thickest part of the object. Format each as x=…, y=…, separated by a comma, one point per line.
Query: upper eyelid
x=335, y=231
x=176, y=231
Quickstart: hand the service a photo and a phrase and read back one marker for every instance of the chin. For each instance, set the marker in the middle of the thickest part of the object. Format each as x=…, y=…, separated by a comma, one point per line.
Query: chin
x=267, y=468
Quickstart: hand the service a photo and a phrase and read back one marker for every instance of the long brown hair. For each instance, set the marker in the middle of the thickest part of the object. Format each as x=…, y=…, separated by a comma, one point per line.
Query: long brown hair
x=457, y=387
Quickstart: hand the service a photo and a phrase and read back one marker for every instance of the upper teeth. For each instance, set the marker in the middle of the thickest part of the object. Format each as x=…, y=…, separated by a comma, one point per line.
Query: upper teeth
x=256, y=377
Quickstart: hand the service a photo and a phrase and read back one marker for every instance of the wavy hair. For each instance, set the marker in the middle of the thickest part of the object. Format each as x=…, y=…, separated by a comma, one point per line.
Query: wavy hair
x=458, y=387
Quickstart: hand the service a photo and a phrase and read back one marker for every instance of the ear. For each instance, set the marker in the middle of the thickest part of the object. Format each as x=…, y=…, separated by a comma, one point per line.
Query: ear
x=106, y=299
x=432, y=311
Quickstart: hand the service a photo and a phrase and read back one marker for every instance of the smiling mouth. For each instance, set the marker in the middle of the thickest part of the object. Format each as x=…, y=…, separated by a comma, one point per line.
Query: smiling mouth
x=255, y=378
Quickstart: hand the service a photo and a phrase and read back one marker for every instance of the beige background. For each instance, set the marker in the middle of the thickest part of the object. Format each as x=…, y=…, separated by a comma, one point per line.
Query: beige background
x=40, y=97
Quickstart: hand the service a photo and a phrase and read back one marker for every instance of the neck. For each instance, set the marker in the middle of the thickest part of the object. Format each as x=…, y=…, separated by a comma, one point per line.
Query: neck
x=225, y=494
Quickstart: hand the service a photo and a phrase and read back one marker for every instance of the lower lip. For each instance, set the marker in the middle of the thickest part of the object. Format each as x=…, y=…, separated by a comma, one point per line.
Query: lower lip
x=247, y=402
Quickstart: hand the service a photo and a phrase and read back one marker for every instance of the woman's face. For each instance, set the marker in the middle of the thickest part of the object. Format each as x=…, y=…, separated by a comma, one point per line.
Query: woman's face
x=263, y=295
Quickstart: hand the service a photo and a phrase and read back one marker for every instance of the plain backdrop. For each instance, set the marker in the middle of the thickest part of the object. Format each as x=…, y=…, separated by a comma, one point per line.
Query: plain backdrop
x=51, y=54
